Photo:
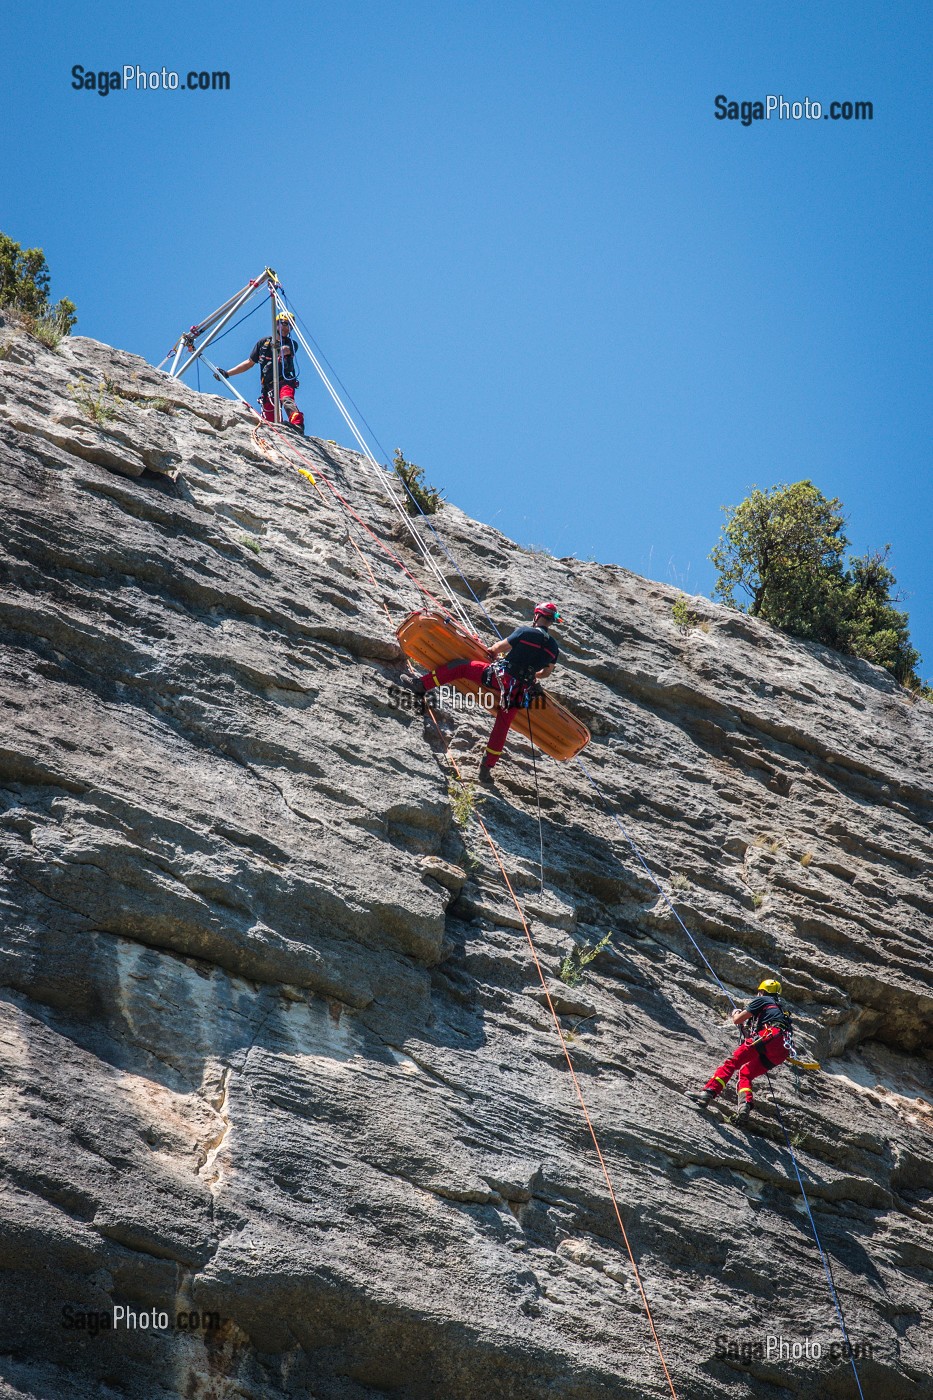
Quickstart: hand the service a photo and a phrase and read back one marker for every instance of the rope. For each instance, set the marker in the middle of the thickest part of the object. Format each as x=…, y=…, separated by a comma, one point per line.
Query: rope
x=408, y=491
x=456, y=606
x=657, y=884
x=566, y=1050
x=825, y=1261
x=534, y=953
x=310, y=477
x=581, y=1099
x=534, y=765
x=258, y=307
x=211, y=327
x=790, y=1146
x=382, y=476
x=277, y=430
x=427, y=520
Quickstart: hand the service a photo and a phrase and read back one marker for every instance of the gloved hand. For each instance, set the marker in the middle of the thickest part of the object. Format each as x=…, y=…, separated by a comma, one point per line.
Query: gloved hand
x=222, y=374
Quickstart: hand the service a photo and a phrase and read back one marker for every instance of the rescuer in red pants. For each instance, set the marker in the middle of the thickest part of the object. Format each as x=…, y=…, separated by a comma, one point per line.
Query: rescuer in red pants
x=262, y=354
x=517, y=663
x=510, y=702
x=290, y=411
x=769, y=1045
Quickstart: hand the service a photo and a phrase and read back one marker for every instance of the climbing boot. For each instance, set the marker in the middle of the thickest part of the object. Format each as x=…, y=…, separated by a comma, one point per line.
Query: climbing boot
x=486, y=775
x=414, y=684
x=703, y=1098
x=743, y=1114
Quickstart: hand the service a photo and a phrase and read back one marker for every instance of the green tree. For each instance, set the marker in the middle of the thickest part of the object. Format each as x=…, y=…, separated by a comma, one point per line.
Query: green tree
x=782, y=551
x=868, y=623
x=24, y=285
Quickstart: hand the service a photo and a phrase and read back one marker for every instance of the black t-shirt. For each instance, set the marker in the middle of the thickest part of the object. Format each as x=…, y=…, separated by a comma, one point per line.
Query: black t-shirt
x=261, y=355
x=531, y=650
x=766, y=1010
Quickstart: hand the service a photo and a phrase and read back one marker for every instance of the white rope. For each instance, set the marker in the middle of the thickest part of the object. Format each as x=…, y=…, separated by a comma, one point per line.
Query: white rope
x=382, y=475
x=281, y=440
x=224, y=379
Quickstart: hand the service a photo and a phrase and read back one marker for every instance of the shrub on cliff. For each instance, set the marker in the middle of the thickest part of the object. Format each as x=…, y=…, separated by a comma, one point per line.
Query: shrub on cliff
x=422, y=499
x=784, y=549
x=24, y=288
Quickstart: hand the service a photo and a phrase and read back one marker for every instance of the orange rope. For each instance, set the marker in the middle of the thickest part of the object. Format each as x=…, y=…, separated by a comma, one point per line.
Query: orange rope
x=573, y=1074
x=531, y=944
x=347, y=506
x=585, y=1110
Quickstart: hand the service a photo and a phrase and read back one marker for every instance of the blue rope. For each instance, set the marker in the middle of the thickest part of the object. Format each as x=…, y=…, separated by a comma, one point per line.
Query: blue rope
x=790, y=1146
x=197, y=363
x=259, y=305
x=408, y=491
x=819, y=1245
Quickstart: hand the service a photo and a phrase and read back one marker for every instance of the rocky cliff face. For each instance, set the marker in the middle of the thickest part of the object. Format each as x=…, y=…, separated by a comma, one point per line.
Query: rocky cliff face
x=275, y=1055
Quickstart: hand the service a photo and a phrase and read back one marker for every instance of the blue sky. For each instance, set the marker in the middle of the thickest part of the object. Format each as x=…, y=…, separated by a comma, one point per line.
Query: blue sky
x=542, y=267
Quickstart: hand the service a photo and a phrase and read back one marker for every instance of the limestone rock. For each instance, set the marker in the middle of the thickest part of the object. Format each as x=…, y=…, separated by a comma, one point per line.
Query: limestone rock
x=274, y=1053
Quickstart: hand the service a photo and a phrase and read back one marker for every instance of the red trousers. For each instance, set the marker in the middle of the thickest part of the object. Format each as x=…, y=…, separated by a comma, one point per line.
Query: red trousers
x=752, y=1058
x=290, y=409
x=473, y=670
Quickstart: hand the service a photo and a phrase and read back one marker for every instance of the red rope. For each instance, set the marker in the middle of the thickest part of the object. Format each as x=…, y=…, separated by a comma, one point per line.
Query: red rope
x=358, y=518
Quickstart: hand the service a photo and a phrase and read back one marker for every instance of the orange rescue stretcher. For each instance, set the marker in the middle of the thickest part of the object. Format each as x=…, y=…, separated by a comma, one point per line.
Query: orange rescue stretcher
x=431, y=639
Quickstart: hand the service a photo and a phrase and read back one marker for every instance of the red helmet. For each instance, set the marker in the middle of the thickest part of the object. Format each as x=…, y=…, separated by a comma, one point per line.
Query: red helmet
x=549, y=610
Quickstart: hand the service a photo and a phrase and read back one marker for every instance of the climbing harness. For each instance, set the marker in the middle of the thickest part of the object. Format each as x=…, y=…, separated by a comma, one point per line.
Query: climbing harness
x=514, y=694
x=288, y=364
x=763, y=1038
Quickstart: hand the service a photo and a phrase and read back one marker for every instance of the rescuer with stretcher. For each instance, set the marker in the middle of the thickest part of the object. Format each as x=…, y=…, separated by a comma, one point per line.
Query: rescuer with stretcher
x=516, y=666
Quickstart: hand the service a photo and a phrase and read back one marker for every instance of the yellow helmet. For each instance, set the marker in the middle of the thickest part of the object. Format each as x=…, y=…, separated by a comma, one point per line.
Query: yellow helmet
x=770, y=985
x=284, y=318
